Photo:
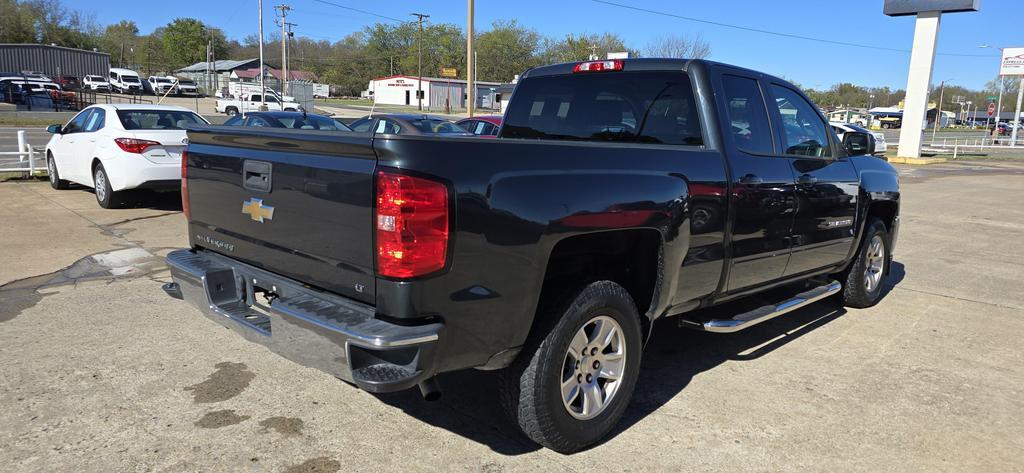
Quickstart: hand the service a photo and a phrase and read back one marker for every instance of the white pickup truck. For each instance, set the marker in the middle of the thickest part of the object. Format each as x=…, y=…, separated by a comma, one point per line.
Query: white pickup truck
x=252, y=102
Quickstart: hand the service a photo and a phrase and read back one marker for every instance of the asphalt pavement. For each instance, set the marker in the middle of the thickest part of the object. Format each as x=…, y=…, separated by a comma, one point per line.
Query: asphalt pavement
x=103, y=372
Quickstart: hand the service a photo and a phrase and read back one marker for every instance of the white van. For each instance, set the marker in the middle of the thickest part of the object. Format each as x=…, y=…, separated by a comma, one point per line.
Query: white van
x=125, y=81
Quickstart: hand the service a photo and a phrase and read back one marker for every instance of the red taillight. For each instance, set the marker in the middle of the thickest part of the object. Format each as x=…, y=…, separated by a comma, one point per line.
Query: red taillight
x=412, y=225
x=134, y=145
x=184, y=187
x=599, y=66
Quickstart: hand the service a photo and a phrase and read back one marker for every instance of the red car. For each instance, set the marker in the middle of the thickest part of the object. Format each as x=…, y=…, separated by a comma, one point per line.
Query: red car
x=68, y=82
x=486, y=126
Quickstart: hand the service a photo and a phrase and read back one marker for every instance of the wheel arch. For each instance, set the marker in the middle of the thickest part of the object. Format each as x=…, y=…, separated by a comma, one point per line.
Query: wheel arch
x=632, y=258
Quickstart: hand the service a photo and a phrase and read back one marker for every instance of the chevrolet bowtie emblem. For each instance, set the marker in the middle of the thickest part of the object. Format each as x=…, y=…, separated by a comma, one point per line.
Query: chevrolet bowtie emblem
x=257, y=211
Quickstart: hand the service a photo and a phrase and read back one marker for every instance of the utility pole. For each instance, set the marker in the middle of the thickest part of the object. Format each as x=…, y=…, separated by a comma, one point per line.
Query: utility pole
x=263, y=87
x=283, y=21
x=419, y=60
x=938, y=110
x=470, y=62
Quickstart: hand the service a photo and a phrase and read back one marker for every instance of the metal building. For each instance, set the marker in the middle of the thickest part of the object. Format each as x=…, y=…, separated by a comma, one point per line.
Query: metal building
x=53, y=60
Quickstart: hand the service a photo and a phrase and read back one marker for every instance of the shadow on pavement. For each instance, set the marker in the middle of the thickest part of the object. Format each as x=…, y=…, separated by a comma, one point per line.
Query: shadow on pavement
x=673, y=356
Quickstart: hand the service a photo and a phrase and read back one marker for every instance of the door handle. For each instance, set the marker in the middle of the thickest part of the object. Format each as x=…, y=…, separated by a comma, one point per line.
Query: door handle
x=806, y=180
x=751, y=180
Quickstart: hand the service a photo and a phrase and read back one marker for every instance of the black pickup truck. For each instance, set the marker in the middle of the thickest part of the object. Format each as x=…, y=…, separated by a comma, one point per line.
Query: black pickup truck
x=618, y=193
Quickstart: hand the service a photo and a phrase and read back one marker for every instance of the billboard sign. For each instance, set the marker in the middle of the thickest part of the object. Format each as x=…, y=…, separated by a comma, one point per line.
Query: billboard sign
x=449, y=72
x=1012, y=63
x=913, y=7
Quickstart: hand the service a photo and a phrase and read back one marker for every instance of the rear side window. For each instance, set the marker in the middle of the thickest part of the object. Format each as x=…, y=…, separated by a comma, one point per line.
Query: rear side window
x=635, y=107
x=803, y=131
x=748, y=117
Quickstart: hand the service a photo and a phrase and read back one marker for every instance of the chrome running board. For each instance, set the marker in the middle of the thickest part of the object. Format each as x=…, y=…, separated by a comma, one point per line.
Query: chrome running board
x=768, y=312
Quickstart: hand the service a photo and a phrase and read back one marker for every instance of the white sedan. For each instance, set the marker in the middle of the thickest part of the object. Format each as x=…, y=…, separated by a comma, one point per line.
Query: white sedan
x=115, y=148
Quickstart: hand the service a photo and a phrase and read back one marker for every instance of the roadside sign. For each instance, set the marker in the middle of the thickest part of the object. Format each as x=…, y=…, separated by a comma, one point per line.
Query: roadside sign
x=1012, y=63
x=992, y=98
x=449, y=72
x=991, y=109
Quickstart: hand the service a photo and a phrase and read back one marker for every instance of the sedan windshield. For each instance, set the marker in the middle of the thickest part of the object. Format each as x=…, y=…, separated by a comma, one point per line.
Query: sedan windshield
x=158, y=119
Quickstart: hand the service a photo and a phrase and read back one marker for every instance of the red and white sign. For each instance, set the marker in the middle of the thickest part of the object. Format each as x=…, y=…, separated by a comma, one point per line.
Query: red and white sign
x=991, y=109
x=1012, y=63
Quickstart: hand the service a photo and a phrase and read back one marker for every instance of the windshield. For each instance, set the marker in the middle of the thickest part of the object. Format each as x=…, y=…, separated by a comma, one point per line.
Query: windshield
x=95, y=78
x=639, y=107
x=185, y=82
x=129, y=78
x=162, y=81
x=442, y=127
x=158, y=119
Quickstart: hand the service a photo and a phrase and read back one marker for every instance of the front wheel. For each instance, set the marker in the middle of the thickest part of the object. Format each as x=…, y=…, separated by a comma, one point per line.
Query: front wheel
x=51, y=168
x=575, y=376
x=863, y=280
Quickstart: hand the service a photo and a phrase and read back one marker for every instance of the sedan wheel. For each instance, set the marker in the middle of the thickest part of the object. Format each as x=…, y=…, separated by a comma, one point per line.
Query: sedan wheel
x=105, y=196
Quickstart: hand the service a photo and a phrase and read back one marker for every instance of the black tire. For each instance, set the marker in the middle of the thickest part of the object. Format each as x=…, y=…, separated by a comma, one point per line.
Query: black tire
x=231, y=111
x=105, y=195
x=51, y=168
x=530, y=388
x=858, y=291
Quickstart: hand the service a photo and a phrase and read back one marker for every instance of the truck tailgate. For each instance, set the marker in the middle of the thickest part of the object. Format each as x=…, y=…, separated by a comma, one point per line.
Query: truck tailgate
x=295, y=202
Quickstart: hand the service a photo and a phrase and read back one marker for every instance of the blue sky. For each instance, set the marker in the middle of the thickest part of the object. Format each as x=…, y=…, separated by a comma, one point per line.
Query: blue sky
x=812, y=64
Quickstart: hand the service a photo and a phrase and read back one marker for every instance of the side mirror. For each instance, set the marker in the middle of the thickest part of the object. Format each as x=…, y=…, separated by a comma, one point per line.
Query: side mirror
x=54, y=129
x=857, y=143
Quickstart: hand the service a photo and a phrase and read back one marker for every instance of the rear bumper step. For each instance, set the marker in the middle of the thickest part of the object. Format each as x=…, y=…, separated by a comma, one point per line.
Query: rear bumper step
x=310, y=327
x=768, y=312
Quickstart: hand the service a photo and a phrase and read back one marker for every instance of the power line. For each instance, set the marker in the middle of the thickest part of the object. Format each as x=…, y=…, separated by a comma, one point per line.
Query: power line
x=774, y=33
x=360, y=11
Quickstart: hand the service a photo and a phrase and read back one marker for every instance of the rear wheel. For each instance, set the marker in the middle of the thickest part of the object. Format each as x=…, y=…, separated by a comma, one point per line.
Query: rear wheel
x=231, y=111
x=51, y=168
x=105, y=195
x=863, y=280
x=574, y=378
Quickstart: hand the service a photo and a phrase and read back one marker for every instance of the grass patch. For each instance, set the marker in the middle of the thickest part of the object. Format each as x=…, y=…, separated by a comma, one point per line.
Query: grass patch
x=18, y=121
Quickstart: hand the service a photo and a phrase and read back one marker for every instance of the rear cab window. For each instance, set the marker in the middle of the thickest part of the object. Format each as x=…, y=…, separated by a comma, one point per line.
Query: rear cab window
x=634, y=107
x=158, y=119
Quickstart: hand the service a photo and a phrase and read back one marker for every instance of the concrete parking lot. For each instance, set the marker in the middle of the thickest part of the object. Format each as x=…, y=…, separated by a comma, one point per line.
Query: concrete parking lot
x=103, y=372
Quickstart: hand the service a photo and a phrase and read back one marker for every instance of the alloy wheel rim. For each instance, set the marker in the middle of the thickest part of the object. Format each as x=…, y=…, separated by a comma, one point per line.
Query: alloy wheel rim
x=593, y=368
x=875, y=263
x=101, y=185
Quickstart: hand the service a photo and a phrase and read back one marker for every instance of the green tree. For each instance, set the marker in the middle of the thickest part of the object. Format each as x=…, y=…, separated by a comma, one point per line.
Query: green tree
x=117, y=39
x=506, y=50
x=579, y=48
x=185, y=40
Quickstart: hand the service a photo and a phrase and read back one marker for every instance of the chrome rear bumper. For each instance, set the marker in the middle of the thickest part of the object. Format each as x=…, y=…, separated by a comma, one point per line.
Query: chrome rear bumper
x=310, y=327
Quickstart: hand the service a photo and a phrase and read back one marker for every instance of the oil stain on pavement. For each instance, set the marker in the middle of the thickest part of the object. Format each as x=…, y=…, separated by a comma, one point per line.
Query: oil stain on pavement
x=315, y=465
x=228, y=381
x=218, y=419
x=282, y=425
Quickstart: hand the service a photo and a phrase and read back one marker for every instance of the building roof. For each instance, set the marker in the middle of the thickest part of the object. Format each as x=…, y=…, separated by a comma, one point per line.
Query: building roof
x=277, y=73
x=221, y=65
x=49, y=46
x=437, y=79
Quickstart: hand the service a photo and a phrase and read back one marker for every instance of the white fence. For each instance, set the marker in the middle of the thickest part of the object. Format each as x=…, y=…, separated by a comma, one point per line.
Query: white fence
x=26, y=157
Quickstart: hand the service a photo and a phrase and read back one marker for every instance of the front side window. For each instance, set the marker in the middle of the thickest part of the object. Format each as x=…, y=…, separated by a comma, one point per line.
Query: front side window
x=804, y=133
x=362, y=125
x=635, y=107
x=77, y=124
x=747, y=115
